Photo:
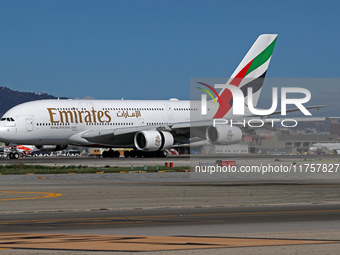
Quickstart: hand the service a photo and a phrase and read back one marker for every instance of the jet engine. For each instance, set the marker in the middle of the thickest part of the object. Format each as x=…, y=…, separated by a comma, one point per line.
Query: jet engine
x=153, y=140
x=50, y=147
x=223, y=134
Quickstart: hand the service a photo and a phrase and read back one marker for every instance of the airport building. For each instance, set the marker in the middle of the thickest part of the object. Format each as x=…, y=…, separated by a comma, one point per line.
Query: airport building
x=335, y=127
x=271, y=144
x=288, y=143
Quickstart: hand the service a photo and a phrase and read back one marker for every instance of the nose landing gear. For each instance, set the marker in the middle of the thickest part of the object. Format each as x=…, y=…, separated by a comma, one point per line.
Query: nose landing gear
x=13, y=155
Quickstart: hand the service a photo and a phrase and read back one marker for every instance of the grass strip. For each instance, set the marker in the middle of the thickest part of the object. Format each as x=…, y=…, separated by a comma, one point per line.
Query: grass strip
x=40, y=169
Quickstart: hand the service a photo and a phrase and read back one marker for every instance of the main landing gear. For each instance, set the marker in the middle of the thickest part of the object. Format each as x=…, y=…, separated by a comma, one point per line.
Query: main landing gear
x=134, y=153
x=110, y=154
x=143, y=154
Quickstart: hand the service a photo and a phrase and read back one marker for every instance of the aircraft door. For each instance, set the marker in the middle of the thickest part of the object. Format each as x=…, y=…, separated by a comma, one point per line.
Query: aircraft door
x=141, y=121
x=168, y=109
x=29, y=124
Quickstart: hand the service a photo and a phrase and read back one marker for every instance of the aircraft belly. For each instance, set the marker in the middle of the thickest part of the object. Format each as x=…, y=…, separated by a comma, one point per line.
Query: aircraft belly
x=125, y=140
x=44, y=137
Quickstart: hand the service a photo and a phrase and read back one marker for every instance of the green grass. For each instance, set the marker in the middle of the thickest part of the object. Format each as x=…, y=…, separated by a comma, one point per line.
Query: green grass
x=38, y=169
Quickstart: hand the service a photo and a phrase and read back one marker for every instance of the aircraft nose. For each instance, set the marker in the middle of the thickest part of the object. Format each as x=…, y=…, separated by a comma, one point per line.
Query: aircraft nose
x=3, y=133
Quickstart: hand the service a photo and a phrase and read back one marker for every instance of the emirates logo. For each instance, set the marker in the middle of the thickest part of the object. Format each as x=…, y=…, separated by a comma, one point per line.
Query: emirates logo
x=158, y=141
x=230, y=135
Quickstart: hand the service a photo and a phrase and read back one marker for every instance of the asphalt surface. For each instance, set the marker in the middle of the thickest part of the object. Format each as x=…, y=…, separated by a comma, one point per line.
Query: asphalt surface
x=159, y=222
x=171, y=213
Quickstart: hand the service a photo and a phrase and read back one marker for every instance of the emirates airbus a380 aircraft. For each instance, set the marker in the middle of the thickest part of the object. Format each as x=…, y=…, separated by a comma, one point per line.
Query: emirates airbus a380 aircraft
x=148, y=126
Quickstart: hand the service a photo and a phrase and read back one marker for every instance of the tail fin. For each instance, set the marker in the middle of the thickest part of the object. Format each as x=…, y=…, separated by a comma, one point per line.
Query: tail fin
x=250, y=72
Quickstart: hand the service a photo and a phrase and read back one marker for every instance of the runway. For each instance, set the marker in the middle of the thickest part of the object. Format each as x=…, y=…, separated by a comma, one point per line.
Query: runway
x=160, y=222
x=175, y=213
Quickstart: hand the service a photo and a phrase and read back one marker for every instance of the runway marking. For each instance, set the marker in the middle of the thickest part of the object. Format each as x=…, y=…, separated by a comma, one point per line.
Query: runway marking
x=44, y=195
x=138, y=243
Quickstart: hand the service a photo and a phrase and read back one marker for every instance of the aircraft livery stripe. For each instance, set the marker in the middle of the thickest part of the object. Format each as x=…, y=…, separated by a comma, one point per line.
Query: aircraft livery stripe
x=238, y=78
x=228, y=98
x=261, y=58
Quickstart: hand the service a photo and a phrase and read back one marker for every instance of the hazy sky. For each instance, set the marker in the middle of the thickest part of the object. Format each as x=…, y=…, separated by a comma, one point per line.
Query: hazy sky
x=143, y=49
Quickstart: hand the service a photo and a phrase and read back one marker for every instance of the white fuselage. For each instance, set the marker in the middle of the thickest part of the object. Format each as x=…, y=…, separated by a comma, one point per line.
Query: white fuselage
x=64, y=121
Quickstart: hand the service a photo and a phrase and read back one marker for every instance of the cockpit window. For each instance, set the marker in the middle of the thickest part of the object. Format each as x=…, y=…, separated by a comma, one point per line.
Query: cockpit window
x=8, y=119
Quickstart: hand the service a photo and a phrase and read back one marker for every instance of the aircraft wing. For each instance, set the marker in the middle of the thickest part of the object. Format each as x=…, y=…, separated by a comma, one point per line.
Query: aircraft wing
x=113, y=136
x=122, y=136
x=104, y=136
x=183, y=132
x=125, y=135
x=112, y=132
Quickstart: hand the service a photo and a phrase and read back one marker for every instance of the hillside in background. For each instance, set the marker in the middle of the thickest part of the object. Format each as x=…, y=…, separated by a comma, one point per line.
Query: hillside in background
x=10, y=98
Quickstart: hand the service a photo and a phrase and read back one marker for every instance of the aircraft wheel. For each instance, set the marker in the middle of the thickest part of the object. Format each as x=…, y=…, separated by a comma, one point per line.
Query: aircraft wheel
x=13, y=155
x=161, y=154
x=153, y=154
x=105, y=154
x=133, y=154
x=116, y=154
x=147, y=154
x=126, y=154
x=139, y=154
x=111, y=154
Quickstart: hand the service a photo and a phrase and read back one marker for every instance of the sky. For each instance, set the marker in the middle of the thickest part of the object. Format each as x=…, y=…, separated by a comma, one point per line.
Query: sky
x=149, y=49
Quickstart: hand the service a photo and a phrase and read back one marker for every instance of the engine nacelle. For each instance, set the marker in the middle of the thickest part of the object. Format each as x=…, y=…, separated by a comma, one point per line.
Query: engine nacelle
x=50, y=147
x=223, y=134
x=153, y=140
